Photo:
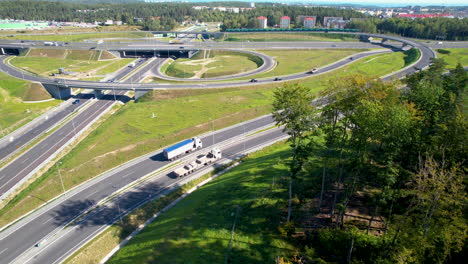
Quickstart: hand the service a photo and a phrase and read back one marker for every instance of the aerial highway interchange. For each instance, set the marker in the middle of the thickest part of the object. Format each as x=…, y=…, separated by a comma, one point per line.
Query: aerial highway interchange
x=54, y=231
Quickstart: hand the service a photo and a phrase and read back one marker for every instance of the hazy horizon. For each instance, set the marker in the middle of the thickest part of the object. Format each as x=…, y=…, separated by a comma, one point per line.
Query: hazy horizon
x=383, y=3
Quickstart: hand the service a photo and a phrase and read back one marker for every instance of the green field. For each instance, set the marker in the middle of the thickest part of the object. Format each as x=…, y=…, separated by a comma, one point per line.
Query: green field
x=290, y=37
x=295, y=61
x=75, y=37
x=83, y=63
x=251, y=195
x=209, y=64
x=454, y=56
x=132, y=131
x=13, y=112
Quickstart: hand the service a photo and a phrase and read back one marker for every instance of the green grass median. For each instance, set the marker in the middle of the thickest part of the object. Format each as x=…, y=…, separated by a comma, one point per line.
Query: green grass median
x=178, y=114
x=454, y=56
x=13, y=112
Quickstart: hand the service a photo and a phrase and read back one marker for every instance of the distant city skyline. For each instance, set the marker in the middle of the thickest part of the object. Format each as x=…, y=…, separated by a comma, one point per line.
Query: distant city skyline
x=383, y=3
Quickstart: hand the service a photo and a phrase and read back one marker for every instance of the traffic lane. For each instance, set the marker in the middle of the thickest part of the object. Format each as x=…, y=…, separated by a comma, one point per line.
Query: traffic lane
x=82, y=201
x=80, y=232
x=124, y=86
x=55, y=118
x=17, y=74
x=268, y=63
x=140, y=74
x=14, y=172
x=124, y=72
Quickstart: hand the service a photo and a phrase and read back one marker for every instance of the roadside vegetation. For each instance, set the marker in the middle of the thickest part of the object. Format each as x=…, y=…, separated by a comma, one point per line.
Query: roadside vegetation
x=376, y=177
x=294, y=61
x=209, y=64
x=13, y=112
x=79, y=64
x=411, y=56
x=250, y=197
x=133, y=131
x=454, y=56
x=290, y=37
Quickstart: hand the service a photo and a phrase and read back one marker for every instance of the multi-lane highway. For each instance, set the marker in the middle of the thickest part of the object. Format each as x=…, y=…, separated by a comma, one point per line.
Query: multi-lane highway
x=17, y=242
x=23, y=167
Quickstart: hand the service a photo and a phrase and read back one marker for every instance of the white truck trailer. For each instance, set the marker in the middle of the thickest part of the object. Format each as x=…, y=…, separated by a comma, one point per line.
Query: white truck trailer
x=213, y=155
x=181, y=148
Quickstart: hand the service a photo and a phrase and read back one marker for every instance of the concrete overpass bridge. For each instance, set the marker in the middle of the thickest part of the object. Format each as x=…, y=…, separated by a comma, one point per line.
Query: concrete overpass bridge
x=62, y=88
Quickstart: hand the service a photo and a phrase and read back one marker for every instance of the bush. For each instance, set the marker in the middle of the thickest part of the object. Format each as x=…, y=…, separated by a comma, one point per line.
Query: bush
x=443, y=51
x=411, y=56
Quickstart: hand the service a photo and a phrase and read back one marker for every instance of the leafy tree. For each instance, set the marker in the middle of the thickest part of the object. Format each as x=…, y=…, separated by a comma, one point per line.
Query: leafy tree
x=293, y=110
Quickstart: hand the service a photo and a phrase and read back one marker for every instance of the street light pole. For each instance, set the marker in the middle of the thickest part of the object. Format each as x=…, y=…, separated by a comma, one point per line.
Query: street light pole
x=60, y=175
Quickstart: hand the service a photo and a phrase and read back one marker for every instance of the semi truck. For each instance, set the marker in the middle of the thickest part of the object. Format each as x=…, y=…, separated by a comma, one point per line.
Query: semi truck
x=212, y=156
x=181, y=148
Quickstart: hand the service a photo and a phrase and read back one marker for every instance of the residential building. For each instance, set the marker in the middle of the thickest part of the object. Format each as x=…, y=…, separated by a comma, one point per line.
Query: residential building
x=309, y=22
x=285, y=22
x=262, y=21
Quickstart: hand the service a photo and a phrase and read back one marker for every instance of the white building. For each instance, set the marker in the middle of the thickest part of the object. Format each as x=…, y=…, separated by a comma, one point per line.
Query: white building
x=285, y=22
x=262, y=21
x=309, y=22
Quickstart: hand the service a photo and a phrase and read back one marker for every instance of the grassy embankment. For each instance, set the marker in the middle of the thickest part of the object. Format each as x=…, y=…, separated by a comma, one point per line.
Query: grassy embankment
x=293, y=61
x=83, y=63
x=208, y=64
x=132, y=132
x=290, y=37
x=252, y=195
x=255, y=190
x=454, y=56
x=76, y=37
x=13, y=112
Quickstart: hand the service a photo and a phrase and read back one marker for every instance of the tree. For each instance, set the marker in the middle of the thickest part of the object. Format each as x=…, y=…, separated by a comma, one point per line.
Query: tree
x=293, y=110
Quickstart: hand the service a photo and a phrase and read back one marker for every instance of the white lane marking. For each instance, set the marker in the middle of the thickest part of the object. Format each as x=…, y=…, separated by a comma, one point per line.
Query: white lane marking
x=128, y=174
x=3, y=250
x=23, y=161
x=58, y=142
x=91, y=194
x=50, y=219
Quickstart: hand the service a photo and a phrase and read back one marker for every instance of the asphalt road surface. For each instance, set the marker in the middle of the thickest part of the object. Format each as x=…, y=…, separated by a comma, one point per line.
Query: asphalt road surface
x=25, y=234
x=22, y=167
x=55, y=117
x=28, y=232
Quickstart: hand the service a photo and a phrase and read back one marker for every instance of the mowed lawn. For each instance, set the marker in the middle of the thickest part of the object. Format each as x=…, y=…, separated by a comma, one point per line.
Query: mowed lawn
x=198, y=229
x=454, y=56
x=13, y=112
x=295, y=61
x=178, y=114
x=218, y=65
x=290, y=37
x=45, y=62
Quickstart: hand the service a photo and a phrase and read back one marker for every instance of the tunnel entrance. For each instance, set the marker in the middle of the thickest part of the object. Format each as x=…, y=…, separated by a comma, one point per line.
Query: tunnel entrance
x=175, y=54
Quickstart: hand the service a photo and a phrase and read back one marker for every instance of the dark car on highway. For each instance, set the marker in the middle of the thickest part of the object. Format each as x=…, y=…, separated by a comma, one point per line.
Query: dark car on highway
x=277, y=79
x=253, y=80
x=77, y=101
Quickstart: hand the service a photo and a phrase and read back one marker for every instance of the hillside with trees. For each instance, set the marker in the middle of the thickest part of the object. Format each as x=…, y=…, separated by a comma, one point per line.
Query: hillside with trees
x=388, y=184
x=428, y=28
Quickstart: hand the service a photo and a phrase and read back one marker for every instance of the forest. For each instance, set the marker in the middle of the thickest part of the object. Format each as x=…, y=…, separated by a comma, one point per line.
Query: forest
x=385, y=169
x=428, y=28
x=166, y=16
